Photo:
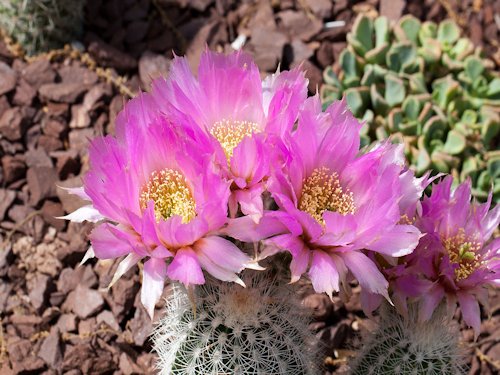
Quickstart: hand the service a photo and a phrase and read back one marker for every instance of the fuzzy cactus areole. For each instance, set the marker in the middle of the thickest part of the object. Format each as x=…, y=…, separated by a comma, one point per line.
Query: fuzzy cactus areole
x=260, y=329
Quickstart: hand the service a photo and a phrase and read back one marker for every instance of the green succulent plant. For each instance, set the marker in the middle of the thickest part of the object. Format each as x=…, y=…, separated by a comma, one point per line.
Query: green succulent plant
x=407, y=346
x=424, y=85
x=41, y=25
x=229, y=329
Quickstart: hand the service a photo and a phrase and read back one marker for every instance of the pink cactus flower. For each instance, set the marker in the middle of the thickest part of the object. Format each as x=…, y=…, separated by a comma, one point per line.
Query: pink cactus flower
x=458, y=257
x=157, y=199
x=334, y=203
x=236, y=117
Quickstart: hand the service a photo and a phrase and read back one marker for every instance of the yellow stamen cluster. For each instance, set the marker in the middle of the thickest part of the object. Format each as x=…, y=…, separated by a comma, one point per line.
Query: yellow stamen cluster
x=230, y=133
x=172, y=196
x=406, y=220
x=321, y=192
x=464, y=252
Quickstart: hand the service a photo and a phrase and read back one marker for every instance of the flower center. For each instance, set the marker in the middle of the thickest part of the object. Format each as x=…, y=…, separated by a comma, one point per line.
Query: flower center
x=321, y=192
x=464, y=252
x=230, y=133
x=171, y=194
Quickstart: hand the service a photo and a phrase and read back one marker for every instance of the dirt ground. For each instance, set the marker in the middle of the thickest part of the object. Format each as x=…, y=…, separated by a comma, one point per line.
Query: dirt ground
x=56, y=317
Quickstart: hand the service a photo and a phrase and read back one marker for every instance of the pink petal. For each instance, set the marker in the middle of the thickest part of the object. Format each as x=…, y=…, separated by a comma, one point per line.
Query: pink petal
x=251, y=202
x=323, y=273
x=232, y=87
x=430, y=301
x=340, y=229
x=470, y=311
x=223, y=253
x=399, y=241
x=89, y=254
x=283, y=95
x=153, y=281
x=299, y=263
x=130, y=260
x=300, y=253
x=85, y=213
x=366, y=272
x=106, y=245
x=78, y=191
x=186, y=268
x=370, y=302
x=490, y=222
x=250, y=161
x=161, y=252
x=245, y=229
x=221, y=258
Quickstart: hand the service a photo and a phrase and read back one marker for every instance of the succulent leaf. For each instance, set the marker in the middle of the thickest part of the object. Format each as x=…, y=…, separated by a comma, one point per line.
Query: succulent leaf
x=424, y=85
x=448, y=32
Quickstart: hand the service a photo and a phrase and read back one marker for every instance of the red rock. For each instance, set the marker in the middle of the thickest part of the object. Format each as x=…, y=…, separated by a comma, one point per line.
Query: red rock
x=79, y=139
x=109, y=56
x=268, y=48
x=123, y=296
x=321, y=8
x=78, y=74
x=66, y=92
x=108, y=318
x=4, y=103
x=14, y=168
x=41, y=183
x=25, y=94
x=115, y=107
x=38, y=73
x=303, y=26
x=70, y=202
x=136, y=31
x=313, y=74
x=8, y=78
x=49, y=144
x=262, y=17
x=70, y=278
x=128, y=366
x=53, y=128
x=52, y=210
x=7, y=197
x=86, y=327
x=392, y=9
x=22, y=357
x=301, y=51
x=66, y=323
x=141, y=326
x=324, y=54
x=51, y=349
x=79, y=117
x=67, y=163
x=38, y=294
x=56, y=109
x=84, y=302
x=57, y=298
x=137, y=10
x=152, y=66
x=37, y=158
x=13, y=123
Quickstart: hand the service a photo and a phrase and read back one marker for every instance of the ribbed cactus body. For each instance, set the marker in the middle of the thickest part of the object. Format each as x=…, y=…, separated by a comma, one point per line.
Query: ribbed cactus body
x=406, y=347
x=228, y=329
x=41, y=25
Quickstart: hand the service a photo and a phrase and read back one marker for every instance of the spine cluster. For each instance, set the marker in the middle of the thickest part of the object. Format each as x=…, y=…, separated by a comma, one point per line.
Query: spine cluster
x=228, y=329
x=41, y=25
x=402, y=346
